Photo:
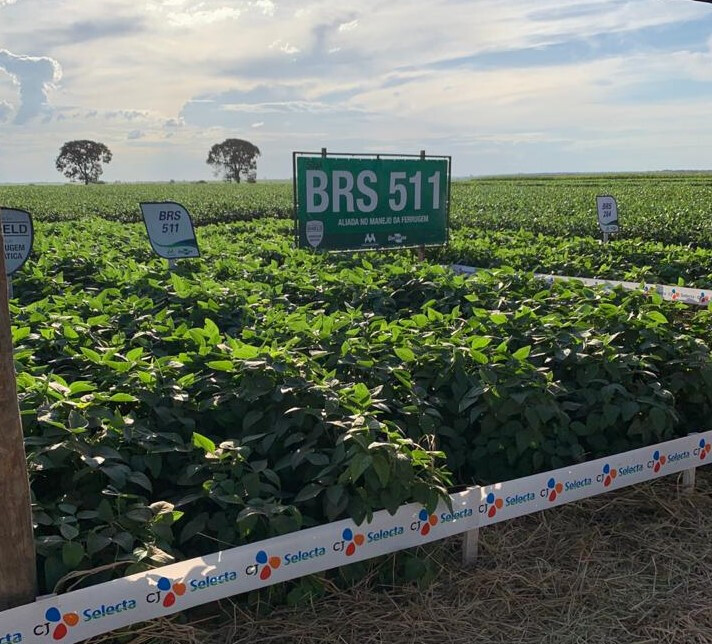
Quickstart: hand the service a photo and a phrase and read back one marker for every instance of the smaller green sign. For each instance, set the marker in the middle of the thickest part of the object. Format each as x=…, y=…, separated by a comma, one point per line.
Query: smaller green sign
x=364, y=203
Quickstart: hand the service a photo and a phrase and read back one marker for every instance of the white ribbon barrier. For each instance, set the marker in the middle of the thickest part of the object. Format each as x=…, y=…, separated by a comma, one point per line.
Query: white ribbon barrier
x=102, y=608
x=700, y=297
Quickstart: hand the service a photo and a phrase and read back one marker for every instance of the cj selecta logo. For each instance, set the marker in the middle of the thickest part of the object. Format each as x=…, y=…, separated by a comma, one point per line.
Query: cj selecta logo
x=607, y=476
x=349, y=542
x=701, y=451
x=491, y=505
x=657, y=462
x=424, y=522
x=167, y=592
x=56, y=624
x=552, y=490
x=555, y=488
x=610, y=474
x=265, y=564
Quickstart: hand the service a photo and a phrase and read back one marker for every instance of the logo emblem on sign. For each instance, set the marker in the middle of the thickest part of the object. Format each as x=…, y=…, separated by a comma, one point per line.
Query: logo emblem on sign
x=315, y=233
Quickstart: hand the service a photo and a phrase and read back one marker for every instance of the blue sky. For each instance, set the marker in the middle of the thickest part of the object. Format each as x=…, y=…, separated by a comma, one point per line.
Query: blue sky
x=504, y=87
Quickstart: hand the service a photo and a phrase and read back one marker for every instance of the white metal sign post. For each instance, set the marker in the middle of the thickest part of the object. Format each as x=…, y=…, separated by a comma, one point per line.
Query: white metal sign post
x=170, y=231
x=17, y=550
x=607, y=215
x=19, y=235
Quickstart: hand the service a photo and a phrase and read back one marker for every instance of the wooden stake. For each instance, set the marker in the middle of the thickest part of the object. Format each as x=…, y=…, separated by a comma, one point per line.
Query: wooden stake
x=470, y=546
x=688, y=480
x=18, y=580
x=421, y=249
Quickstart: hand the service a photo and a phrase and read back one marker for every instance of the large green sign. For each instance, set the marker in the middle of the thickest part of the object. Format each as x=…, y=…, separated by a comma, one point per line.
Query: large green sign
x=359, y=203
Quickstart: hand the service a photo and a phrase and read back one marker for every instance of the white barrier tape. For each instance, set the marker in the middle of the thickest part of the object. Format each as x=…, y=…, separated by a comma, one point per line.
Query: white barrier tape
x=105, y=607
x=699, y=297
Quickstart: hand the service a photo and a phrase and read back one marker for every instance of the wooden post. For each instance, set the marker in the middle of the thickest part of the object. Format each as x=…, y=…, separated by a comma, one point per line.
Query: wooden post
x=470, y=543
x=421, y=249
x=18, y=581
x=688, y=480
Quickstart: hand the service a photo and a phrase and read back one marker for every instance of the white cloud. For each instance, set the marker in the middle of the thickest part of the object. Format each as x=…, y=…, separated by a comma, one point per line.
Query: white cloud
x=134, y=135
x=35, y=76
x=173, y=123
x=128, y=115
x=282, y=107
x=348, y=26
x=284, y=47
x=5, y=111
x=203, y=16
x=267, y=7
x=364, y=73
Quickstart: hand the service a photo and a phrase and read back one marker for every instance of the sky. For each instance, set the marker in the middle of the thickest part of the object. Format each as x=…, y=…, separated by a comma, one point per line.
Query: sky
x=504, y=86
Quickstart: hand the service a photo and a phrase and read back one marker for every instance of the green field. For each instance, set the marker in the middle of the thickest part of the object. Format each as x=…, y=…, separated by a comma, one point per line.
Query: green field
x=668, y=208
x=263, y=389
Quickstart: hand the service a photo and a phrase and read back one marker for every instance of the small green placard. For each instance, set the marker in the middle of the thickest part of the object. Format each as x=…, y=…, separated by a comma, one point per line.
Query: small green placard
x=359, y=203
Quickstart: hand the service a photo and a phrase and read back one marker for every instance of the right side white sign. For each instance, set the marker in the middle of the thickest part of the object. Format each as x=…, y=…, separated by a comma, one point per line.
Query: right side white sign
x=607, y=214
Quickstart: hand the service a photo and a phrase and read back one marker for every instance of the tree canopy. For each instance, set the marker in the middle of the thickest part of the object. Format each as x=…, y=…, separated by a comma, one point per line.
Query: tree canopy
x=233, y=158
x=82, y=160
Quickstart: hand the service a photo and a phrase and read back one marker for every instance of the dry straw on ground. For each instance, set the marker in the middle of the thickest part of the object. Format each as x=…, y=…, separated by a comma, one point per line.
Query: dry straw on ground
x=633, y=566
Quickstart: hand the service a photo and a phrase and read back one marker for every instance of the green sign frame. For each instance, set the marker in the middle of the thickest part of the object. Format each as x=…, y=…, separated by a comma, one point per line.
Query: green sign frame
x=358, y=202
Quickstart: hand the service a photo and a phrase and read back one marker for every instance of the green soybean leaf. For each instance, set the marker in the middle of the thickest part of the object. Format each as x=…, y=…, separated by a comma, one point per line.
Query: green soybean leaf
x=72, y=554
x=204, y=443
x=404, y=354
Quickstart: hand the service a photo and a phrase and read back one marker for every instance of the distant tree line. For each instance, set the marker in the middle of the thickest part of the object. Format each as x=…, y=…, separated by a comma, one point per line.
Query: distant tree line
x=83, y=160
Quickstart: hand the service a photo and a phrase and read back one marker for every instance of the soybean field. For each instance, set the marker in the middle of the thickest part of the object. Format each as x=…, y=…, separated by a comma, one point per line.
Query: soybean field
x=262, y=389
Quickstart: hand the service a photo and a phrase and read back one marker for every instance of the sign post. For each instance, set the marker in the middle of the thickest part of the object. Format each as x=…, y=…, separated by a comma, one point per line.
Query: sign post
x=607, y=215
x=348, y=202
x=19, y=235
x=170, y=231
x=421, y=248
x=17, y=549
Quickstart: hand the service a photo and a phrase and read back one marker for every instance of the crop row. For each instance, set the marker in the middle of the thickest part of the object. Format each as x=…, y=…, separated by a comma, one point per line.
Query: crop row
x=624, y=259
x=207, y=202
x=666, y=209
x=633, y=260
x=262, y=389
x=669, y=209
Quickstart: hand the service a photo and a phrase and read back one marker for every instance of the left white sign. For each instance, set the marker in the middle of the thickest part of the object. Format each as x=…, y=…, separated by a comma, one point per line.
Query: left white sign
x=18, y=233
x=170, y=230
